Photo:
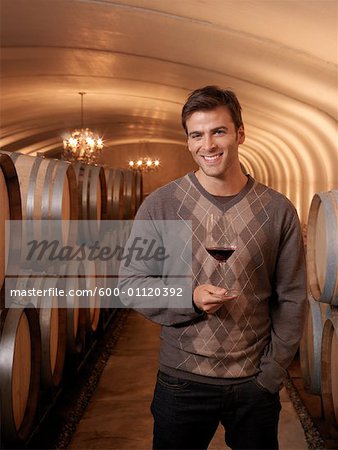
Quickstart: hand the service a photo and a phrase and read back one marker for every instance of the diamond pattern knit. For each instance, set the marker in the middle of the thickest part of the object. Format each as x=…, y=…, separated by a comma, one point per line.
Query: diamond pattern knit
x=226, y=345
x=267, y=265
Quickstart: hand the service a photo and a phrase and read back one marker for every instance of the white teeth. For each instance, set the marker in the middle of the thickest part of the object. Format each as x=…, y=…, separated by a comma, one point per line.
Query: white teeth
x=211, y=158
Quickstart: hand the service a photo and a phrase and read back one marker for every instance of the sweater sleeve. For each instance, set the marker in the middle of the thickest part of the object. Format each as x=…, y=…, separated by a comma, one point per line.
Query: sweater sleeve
x=287, y=305
x=166, y=278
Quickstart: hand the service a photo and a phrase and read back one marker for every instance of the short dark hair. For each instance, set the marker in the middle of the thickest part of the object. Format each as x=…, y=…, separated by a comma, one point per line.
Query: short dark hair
x=211, y=97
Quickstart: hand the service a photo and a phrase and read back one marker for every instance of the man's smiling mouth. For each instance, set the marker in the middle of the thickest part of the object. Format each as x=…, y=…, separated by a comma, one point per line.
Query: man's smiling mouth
x=211, y=158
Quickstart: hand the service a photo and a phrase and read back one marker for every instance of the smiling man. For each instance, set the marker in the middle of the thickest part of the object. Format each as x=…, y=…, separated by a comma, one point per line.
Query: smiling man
x=223, y=359
x=213, y=140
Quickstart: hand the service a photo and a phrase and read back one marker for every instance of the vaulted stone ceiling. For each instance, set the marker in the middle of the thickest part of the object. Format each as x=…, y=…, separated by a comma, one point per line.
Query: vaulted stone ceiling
x=138, y=59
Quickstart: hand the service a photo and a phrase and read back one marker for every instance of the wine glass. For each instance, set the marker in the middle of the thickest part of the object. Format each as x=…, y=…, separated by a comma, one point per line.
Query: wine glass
x=221, y=242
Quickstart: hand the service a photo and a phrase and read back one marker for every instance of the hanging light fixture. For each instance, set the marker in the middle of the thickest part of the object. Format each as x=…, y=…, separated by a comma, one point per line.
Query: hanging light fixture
x=82, y=144
x=144, y=163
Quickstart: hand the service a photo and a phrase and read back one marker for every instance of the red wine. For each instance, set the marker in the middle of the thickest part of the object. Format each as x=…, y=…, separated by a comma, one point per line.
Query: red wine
x=221, y=254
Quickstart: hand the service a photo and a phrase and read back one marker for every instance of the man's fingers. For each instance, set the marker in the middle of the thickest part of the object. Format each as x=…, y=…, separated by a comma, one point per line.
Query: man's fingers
x=218, y=294
x=210, y=298
x=216, y=290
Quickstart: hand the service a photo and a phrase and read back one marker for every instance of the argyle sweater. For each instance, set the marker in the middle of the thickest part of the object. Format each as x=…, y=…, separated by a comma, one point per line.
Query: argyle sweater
x=255, y=335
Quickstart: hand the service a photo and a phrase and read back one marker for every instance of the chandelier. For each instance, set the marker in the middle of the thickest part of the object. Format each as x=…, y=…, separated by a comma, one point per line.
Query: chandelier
x=144, y=164
x=82, y=144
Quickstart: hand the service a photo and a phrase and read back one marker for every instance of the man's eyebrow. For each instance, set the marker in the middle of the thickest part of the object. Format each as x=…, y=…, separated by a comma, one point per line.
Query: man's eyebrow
x=194, y=132
x=221, y=127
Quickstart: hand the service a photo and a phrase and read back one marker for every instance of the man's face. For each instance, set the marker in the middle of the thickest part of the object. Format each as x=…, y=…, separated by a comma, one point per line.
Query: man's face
x=213, y=141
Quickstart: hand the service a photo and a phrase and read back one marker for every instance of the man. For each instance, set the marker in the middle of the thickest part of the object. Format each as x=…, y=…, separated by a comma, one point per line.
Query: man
x=223, y=359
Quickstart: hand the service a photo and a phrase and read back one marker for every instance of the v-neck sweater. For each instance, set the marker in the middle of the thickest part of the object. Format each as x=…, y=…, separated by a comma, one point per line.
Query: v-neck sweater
x=256, y=335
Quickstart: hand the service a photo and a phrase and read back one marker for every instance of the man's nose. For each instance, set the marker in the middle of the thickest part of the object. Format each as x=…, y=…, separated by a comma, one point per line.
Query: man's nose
x=209, y=143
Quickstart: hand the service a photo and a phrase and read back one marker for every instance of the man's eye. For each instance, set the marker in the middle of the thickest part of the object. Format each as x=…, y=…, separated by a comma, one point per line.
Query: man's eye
x=219, y=132
x=195, y=136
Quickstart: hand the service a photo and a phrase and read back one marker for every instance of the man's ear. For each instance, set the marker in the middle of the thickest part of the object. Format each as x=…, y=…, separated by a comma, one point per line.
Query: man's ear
x=241, y=134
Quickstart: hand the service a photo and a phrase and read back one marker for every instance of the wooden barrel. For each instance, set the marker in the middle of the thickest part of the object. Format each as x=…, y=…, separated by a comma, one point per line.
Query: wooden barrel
x=53, y=335
x=20, y=357
x=322, y=247
x=115, y=187
x=49, y=200
x=139, y=189
x=113, y=240
x=10, y=210
x=52, y=319
x=129, y=194
x=92, y=200
x=71, y=282
x=329, y=381
x=48, y=188
x=92, y=301
x=311, y=345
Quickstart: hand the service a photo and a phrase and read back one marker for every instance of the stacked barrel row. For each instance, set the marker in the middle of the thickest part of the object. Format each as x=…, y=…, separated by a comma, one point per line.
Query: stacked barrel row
x=319, y=346
x=38, y=340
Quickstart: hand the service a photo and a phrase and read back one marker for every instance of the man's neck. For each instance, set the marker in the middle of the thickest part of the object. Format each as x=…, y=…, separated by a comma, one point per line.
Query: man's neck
x=230, y=184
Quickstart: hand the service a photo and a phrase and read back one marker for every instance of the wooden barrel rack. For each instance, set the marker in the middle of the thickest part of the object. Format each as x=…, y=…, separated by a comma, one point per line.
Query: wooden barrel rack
x=319, y=346
x=47, y=341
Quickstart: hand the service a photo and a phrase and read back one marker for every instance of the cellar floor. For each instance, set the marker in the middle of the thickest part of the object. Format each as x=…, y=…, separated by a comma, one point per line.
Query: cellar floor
x=118, y=415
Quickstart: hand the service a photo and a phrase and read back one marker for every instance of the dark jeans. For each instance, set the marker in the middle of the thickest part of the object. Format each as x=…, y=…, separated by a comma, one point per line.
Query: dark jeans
x=187, y=414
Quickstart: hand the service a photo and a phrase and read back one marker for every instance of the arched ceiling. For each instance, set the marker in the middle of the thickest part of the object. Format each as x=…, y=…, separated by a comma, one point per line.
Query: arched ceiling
x=138, y=59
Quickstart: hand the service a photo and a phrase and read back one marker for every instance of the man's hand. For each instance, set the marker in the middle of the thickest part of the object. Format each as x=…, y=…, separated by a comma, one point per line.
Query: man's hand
x=209, y=298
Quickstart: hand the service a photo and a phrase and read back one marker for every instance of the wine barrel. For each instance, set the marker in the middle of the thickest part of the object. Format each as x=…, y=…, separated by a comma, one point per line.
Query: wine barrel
x=139, y=189
x=92, y=200
x=52, y=319
x=311, y=345
x=20, y=357
x=92, y=301
x=48, y=188
x=115, y=186
x=322, y=247
x=110, y=267
x=329, y=367
x=71, y=281
x=48, y=200
x=10, y=210
x=129, y=194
